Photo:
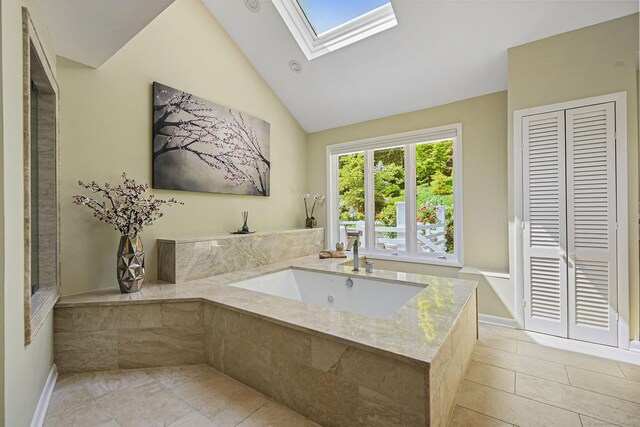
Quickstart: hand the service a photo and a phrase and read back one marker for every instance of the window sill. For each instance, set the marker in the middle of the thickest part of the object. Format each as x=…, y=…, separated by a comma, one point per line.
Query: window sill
x=410, y=259
x=37, y=308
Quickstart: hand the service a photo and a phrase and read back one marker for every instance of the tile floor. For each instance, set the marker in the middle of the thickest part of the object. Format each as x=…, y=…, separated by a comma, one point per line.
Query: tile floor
x=511, y=381
x=181, y=396
x=515, y=381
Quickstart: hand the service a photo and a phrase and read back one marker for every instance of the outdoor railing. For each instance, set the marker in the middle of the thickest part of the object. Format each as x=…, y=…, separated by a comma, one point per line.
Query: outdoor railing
x=430, y=237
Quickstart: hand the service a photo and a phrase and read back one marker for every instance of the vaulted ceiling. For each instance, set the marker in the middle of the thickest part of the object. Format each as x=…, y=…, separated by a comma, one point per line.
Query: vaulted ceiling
x=441, y=51
x=92, y=31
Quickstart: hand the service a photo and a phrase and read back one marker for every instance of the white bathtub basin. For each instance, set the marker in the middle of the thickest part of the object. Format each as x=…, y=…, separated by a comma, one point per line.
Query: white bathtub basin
x=375, y=298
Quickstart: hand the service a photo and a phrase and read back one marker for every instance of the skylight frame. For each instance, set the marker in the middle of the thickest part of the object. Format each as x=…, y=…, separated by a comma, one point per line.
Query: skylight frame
x=314, y=46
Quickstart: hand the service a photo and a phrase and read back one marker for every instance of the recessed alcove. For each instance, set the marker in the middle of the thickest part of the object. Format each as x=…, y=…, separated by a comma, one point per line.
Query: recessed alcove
x=41, y=210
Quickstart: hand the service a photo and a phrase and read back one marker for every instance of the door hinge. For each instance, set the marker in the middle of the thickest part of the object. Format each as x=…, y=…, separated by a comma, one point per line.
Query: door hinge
x=523, y=224
x=524, y=303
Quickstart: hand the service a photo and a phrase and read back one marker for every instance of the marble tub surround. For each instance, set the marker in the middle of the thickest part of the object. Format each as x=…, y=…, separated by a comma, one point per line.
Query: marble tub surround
x=181, y=260
x=414, y=333
x=335, y=383
x=96, y=338
x=334, y=367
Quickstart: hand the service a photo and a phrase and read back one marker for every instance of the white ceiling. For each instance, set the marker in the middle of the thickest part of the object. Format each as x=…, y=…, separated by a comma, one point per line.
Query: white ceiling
x=440, y=52
x=92, y=31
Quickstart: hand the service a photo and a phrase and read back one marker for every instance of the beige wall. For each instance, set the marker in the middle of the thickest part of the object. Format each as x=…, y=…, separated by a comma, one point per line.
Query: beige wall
x=484, y=158
x=106, y=129
x=591, y=61
x=25, y=368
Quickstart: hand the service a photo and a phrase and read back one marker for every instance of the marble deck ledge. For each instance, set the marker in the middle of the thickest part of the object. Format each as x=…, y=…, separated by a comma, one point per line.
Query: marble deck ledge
x=413, y=334
x=180, y=260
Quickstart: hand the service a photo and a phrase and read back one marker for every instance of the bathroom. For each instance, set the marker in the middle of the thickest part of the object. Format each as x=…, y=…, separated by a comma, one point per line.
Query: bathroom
x=406, y=142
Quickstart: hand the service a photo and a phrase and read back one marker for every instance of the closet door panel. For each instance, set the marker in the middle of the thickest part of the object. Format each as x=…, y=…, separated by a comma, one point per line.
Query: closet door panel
x=545, y=268
x=591, y=225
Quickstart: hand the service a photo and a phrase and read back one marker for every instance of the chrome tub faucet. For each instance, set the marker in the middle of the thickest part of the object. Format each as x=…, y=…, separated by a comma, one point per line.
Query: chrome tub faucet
x=354, y=243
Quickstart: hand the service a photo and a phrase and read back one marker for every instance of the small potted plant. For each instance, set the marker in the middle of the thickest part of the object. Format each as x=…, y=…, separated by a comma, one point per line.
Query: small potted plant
x=126, y=209
x=310, y=221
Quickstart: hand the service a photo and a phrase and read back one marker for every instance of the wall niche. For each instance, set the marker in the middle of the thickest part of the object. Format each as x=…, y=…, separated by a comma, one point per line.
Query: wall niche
x=41, y=206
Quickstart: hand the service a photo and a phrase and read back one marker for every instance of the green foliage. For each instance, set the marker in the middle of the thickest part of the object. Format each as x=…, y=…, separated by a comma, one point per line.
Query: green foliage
x=441, y=184
x=351, y=187
x=432, y=158
x=388, y=177
x=434, y=169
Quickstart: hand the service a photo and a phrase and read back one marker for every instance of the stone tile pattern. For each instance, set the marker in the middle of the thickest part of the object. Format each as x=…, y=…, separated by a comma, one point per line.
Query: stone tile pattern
x=334, y=383
x=515, y=381
x=416, y=331
x=451, y=363
x=323, y=378
x=181, y=396
x=96, y=338
x=192, y=259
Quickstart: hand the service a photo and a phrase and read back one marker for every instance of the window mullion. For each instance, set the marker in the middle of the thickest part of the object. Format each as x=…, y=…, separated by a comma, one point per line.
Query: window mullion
x=410, y=198
x=333, y=202
x=369, y=201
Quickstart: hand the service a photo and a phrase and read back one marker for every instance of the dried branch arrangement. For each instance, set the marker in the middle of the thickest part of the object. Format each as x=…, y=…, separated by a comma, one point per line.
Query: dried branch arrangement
x=124, y=206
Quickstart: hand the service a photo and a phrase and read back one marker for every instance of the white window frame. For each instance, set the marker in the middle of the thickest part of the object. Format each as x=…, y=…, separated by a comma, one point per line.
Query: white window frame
x=313, y=45
x=408, y=140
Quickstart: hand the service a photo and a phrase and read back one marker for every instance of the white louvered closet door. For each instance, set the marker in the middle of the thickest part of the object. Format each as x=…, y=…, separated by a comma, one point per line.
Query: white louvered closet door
x=545, y=267
x=591, y=225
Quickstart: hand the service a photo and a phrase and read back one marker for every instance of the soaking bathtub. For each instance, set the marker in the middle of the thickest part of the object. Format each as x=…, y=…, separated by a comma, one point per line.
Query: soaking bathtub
x=370, y=297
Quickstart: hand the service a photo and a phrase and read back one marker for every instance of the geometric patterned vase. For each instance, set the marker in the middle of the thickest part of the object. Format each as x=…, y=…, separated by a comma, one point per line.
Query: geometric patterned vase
x=130, y=264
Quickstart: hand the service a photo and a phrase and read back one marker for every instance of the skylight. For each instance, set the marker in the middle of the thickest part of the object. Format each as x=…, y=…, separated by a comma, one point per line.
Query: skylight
x=322, y=26
x=325, y=15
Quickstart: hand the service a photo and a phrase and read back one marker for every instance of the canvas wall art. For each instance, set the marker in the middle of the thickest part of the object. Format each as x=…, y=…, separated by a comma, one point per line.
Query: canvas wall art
x=202, y=146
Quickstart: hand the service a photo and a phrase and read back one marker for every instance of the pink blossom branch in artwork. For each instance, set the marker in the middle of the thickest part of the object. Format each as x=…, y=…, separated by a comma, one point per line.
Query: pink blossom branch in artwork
x=230, y=145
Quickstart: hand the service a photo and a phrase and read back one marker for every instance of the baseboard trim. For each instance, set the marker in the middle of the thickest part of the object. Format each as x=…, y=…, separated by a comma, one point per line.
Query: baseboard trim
x=479, y=272
x=45, y=398
x=499, y=321
x=634, y=345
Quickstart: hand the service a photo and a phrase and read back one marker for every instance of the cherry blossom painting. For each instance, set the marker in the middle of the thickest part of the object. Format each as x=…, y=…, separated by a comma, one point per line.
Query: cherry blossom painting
x=202, y=146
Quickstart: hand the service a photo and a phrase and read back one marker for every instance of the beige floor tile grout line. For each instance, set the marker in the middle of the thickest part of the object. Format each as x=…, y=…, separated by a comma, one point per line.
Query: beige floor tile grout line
x=565, y=409
x=245, y=418
x=531, y=399
x=486, y=415
x=552, y=361
x=551, y=403
x=532, y=375
x=491, y=387
x=597, y=392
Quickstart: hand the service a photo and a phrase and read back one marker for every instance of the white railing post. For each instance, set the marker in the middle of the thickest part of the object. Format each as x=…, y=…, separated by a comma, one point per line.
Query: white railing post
x=433, y=240
x=400, y=219
x=442, y=219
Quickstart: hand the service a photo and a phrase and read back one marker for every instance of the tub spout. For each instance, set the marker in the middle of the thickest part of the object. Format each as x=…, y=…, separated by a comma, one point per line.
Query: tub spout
x=354, y=242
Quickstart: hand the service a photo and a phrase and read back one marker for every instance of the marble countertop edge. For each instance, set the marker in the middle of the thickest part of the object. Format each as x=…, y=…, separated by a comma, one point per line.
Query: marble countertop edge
x=414, y=333
x=229, y=235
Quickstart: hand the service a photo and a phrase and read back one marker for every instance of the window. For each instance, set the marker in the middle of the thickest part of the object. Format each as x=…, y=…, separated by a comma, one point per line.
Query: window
x=322, y=26
x=403, y=192
x=325, y=15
